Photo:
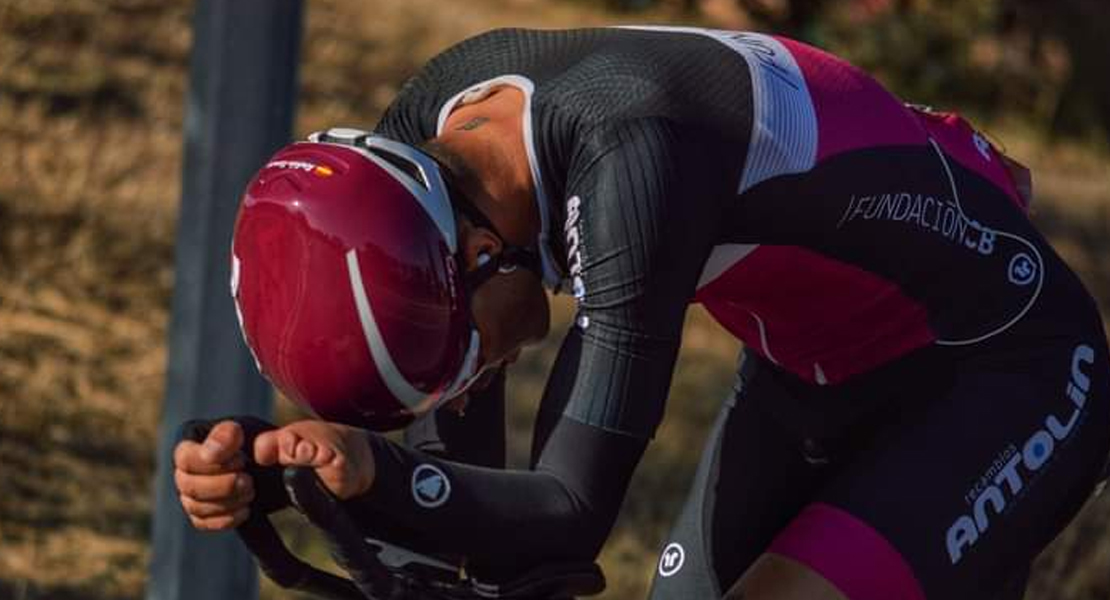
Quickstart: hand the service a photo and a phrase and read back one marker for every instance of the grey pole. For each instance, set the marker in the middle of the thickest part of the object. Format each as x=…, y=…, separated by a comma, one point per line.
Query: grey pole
x=240, y=108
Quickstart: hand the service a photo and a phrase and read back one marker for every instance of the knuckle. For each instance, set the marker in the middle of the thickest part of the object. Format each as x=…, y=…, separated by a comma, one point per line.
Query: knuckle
x=202, y=510
x=223, y=487
x=207, y=488
x=184, y=483
x=208, y=510
x=201, y=523
x=210, y=524
x=286, y=440
x=222, y=522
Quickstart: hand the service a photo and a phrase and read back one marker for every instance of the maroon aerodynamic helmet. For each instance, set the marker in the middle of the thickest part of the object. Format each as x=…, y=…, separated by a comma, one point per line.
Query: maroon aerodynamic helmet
x=346, y=283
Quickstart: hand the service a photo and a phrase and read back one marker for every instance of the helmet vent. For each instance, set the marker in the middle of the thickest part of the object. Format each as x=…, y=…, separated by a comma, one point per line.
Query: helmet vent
x=409, y=168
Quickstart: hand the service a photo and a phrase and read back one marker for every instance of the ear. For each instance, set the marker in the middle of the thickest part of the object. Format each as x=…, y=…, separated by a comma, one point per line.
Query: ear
x=474, y=241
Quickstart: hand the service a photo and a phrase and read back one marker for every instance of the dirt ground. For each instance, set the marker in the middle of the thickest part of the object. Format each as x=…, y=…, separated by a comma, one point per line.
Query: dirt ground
x=90, y=145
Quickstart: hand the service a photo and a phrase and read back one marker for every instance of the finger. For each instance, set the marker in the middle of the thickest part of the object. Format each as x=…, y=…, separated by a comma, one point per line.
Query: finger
x=222, y=522
x=212, y=488
x=223, y=442
x=325, y=454
x=187, y=457
x=287, y=444
x=266, y=451
x=207, y=510
x=304, y=453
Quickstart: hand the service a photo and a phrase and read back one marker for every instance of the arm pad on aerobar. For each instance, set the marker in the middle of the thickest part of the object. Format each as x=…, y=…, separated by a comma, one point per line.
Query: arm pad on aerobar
x=562, y=511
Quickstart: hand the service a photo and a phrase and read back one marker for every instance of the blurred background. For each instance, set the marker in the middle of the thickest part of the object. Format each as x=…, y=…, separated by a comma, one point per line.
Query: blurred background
x=91, y=110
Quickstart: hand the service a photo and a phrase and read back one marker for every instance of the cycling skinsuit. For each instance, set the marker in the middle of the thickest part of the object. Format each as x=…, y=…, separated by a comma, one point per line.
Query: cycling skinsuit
x=923, y=403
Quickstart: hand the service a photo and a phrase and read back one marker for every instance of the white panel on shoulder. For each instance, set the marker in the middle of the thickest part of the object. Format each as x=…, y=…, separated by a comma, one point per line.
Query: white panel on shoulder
x=784, y=123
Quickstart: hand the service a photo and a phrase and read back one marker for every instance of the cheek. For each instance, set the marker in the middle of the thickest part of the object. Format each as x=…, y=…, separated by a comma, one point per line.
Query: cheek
x=528, y=317
x=495, y=310
x=511, y=311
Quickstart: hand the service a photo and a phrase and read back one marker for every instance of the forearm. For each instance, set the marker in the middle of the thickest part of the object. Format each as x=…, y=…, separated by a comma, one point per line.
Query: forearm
x=563, y=510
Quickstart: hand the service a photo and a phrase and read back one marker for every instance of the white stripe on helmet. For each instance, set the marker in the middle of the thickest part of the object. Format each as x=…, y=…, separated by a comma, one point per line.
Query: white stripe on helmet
x=469, y=372
x=398, y=385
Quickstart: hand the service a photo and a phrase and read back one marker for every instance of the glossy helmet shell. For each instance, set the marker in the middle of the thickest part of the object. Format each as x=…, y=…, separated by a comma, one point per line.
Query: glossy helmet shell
x=345, y=281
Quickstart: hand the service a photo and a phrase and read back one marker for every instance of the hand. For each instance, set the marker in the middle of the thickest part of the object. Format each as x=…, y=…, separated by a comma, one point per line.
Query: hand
x=340, y=454
x=211, y=479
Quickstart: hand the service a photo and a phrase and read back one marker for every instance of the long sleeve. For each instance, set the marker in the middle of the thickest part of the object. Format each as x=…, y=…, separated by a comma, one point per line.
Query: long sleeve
x=635, y=250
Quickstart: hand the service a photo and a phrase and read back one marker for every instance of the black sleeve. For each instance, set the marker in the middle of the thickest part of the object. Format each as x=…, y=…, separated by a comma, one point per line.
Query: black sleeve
x=411, y=116
x=508, y=519
x=640, y=222
x=642, y=242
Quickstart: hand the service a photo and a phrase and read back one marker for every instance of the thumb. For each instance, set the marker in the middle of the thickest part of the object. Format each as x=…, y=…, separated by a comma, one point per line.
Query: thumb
x=222, y=443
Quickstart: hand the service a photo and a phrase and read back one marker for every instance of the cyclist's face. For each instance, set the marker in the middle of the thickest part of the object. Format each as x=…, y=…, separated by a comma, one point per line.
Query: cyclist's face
x=509, y=309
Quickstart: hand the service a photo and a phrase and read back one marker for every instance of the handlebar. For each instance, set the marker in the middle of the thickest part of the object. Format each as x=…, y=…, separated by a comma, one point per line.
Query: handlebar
x=378, y=569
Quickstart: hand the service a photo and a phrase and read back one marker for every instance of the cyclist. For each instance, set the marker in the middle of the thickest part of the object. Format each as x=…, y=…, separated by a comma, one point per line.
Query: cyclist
x=922, y=402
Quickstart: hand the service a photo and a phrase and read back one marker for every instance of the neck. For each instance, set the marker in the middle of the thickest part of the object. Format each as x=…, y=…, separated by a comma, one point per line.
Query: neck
x=486, y=141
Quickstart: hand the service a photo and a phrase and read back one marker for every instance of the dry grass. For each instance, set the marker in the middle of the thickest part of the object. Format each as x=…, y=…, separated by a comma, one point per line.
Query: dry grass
x=90, y=112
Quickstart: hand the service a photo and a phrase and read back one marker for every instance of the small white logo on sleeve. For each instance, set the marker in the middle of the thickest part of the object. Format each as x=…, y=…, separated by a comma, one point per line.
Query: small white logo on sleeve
x=574, y=247
x=1023, y=270
x=430, y=486
x=672, y=559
